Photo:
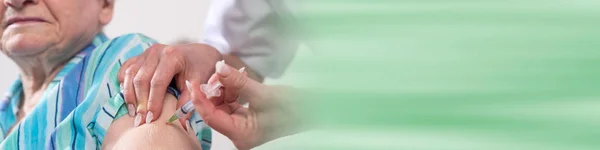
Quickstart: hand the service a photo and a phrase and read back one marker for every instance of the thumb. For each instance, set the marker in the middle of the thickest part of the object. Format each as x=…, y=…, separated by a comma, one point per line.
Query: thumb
x=203, y=107
x=218, y=120
x=236, y=84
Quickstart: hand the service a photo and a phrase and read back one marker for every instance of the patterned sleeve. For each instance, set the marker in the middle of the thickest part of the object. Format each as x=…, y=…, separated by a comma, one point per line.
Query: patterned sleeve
x=103, y=103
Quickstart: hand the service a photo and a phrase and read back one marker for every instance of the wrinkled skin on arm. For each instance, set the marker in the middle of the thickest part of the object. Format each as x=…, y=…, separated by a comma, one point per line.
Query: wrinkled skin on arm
x=156, y=135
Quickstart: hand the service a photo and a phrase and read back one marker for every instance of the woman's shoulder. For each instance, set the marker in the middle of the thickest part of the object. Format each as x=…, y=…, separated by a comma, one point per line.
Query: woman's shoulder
x=120, y=48
x=134, y=37
x=127, y=42
x=103, y=63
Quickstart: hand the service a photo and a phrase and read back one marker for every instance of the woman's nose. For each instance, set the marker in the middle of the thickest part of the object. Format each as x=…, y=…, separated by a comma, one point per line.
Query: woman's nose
x=18, y=4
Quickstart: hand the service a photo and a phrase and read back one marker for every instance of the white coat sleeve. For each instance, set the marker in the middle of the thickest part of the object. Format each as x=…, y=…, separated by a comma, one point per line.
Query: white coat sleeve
x=257, y=31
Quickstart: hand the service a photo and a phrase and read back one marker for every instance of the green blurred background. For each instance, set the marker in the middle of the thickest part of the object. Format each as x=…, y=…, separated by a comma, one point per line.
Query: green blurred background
x=448, y=75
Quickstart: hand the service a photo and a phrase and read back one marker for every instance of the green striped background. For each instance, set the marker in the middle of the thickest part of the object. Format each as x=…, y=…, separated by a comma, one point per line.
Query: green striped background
x=449, y=74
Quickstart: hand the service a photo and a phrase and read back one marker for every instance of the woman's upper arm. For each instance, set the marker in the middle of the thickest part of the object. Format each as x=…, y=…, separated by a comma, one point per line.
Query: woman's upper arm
x=156, y=135
x=115, y=130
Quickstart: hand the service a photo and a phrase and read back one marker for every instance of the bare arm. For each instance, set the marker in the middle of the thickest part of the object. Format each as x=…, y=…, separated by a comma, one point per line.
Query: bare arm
x=156, y=135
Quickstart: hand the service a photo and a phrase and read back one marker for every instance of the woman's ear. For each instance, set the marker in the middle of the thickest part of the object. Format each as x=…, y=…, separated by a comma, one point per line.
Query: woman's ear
x=106, y=13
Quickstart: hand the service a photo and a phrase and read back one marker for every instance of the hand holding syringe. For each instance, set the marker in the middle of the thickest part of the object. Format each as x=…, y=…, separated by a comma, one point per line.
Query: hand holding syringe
x=273, y=111
x=210, y=90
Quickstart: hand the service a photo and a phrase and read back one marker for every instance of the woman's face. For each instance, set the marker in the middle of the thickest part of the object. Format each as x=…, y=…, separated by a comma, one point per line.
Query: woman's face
x=33, y=27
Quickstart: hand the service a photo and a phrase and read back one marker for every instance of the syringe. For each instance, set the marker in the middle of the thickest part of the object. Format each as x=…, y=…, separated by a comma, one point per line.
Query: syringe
x=189, y=106
x=209, y=91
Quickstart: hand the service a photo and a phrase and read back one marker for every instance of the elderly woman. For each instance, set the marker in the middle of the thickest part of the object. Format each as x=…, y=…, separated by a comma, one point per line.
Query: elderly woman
x=67, y=95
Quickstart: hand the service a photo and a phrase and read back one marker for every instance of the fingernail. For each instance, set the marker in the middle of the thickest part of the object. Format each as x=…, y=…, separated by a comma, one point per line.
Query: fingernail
x=149, y=117
x=188, y=126
x=221, y=68
x=188, y=84
x=131, y=110
x=121, y=85
x=138, y=120
x=242, y=69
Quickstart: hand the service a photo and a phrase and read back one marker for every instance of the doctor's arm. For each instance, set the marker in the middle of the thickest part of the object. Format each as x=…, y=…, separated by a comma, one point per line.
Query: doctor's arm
x=246, y=33
x=256, y=34
x=273, y=111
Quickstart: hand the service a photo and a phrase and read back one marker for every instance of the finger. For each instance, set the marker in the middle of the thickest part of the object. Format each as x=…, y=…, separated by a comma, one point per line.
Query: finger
x=164, y=73
x=188, y=128
x=216, y=119
x=129, y=93
x=127, y=64
x=244, y=72
x=186, y=117
x=128, y=90
x=193, y=76
x=233, y=81
x=184, y=98
x=208, y=88
x=242, y=101
x=141, y=82
x=230, y=124
x=185, y=95
x=203, y=107
x=236, y=84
